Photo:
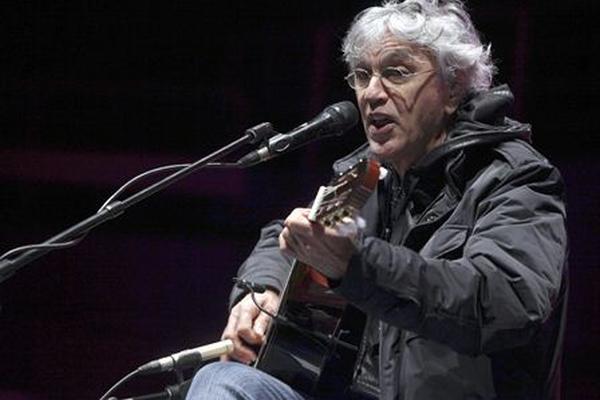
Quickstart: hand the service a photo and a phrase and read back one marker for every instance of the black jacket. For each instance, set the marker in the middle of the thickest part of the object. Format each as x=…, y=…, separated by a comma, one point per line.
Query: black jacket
x=462, y=271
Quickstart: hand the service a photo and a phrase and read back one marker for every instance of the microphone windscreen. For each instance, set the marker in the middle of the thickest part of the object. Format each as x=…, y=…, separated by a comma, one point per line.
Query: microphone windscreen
x=344, y=115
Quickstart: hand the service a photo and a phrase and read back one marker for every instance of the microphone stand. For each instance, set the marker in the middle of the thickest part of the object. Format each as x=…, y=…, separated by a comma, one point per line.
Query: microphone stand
x=73, y=234
x=171, y=392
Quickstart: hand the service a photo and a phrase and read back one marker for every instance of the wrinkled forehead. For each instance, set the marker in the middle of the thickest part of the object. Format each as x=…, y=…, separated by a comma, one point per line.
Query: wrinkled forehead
x=389, y=49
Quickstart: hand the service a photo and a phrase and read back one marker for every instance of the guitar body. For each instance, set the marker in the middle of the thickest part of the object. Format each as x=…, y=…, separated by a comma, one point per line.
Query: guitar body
x=300, y=358
x=314, y=342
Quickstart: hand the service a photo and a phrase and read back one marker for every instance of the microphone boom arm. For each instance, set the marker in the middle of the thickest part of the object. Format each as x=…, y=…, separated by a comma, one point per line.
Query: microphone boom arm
x=72, y=235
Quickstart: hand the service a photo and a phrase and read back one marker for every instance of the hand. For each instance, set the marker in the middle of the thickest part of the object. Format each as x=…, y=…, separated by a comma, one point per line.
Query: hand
x=247, y=325
x=326, y=249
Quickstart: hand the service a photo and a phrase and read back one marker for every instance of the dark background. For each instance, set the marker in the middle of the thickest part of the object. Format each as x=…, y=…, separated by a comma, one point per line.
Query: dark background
x=95, y=92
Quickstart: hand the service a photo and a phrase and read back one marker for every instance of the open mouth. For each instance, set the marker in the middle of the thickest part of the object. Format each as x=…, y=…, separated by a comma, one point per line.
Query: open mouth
x=379, y=120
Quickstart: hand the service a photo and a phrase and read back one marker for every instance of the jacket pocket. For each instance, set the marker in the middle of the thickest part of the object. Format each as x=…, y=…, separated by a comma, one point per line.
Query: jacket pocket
x=447, y=243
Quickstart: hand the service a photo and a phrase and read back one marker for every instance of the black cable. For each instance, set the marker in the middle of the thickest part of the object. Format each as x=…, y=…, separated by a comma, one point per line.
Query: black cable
x=106, y=206
x=171, y=392
x=157, y=170
x=316, y=337
x=52, y=246
x=119, y=383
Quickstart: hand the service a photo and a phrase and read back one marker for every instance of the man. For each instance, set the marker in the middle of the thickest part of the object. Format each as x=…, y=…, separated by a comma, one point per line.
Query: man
x=461, y=268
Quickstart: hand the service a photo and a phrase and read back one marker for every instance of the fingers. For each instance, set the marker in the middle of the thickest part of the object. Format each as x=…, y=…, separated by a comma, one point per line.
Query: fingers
x=327, y=249
x=247, y=325
x=297, y=228
x=241, y=351
x=290, y=244
x=263, y=320
x=299, y=223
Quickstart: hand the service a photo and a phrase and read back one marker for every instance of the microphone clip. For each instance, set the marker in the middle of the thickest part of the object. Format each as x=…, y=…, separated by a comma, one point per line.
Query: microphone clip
x=261, y=133
x=249, y=286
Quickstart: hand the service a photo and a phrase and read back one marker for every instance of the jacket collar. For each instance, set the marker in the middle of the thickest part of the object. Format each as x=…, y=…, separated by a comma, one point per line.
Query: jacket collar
x=480, y=121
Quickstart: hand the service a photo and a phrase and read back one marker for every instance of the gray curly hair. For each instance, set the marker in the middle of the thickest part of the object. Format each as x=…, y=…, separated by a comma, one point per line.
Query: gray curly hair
x=442, y=26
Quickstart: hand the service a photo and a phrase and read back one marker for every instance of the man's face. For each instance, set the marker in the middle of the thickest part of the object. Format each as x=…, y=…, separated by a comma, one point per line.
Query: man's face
x=403, y=120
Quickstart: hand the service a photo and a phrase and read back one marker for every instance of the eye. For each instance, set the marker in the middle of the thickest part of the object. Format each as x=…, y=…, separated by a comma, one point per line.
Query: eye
x=396, y=74
x=362, y=76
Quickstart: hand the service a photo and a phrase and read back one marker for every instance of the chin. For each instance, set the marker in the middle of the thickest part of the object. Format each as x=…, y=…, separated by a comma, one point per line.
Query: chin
x=384, y=151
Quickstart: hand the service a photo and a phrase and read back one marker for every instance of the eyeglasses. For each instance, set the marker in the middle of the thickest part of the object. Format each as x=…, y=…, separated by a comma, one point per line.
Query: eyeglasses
x=360, y=78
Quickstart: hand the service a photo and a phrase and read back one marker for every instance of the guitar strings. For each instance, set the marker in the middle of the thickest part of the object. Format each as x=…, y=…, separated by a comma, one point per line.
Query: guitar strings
x=315, y=337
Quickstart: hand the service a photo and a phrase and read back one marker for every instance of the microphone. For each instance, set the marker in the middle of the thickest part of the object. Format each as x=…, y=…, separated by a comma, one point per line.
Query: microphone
x=187, y=358
x=332, y=121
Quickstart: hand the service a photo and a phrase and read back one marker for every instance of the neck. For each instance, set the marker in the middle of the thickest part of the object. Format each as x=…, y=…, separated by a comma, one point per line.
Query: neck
x=404, y=164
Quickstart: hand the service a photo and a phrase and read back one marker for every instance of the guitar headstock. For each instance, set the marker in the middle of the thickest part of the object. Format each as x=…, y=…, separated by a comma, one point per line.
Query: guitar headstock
x=345, y=195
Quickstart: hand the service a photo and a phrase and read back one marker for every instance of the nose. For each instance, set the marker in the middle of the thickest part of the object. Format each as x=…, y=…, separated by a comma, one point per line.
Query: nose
x=375, y=93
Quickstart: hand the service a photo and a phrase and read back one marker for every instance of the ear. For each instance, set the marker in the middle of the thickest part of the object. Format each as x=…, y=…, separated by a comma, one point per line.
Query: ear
x=456, y=93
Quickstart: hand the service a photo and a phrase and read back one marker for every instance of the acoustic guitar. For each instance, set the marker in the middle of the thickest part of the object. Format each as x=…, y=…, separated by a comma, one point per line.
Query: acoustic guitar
x=314, y=339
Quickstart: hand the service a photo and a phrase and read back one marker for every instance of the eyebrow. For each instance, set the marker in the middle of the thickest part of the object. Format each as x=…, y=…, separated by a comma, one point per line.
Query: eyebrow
x=396, y=54
x=402, y=54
